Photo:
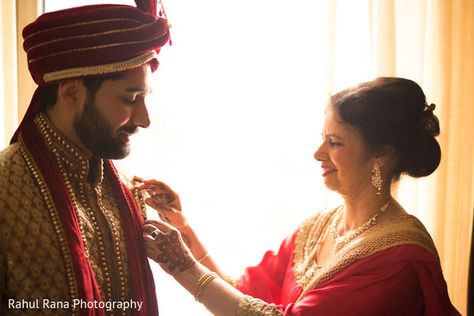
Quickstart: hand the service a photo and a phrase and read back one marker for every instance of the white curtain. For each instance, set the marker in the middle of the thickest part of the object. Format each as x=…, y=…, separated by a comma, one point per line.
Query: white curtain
x=8, y=88
x=238, y=108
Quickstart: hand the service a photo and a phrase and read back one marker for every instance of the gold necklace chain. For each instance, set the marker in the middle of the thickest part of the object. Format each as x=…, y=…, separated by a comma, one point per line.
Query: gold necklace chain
x=341, y=241
x=306, y=271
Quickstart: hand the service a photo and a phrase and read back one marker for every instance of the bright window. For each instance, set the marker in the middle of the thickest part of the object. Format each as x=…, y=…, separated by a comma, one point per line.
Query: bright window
x=236, y=117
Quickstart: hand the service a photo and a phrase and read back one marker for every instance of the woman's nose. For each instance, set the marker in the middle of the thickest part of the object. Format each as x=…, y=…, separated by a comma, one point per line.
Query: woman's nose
x=320, y=154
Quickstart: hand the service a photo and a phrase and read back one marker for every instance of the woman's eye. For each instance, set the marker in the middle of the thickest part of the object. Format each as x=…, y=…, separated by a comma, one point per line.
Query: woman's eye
x=333, y=143
x=128, y=100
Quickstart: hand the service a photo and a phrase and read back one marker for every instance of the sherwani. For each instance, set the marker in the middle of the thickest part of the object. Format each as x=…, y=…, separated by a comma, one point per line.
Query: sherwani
x=35, y=259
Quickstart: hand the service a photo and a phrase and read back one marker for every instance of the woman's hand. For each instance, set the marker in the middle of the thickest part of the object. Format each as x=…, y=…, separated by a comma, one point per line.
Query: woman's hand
x=164, y=200
x=164, y=245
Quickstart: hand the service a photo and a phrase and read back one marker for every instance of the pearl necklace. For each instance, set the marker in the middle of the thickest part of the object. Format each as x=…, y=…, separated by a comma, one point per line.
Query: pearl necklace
x=341, y=241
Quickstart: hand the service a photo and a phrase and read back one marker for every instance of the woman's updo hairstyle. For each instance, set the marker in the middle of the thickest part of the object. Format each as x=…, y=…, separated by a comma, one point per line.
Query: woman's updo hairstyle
x=393, y=111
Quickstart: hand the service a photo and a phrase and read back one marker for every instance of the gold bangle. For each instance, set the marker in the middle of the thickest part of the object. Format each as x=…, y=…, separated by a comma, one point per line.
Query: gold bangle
x=202, y=282
x=233, y=282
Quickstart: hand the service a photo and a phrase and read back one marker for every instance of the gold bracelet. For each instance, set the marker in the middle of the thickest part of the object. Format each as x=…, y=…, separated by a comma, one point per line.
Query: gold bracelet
x=233, y=282
x=202, y=282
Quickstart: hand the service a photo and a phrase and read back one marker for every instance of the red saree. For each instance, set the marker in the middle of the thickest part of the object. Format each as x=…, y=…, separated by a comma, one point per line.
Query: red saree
x=390, y=270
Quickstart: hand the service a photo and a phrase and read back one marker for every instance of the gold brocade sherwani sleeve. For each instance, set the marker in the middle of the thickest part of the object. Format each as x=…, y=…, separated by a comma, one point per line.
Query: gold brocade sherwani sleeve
x=32, y=268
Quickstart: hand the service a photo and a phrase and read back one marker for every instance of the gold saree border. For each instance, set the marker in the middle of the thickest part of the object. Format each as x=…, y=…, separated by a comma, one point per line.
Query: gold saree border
x=401, y=230
x=249, y=306
x=306, y=246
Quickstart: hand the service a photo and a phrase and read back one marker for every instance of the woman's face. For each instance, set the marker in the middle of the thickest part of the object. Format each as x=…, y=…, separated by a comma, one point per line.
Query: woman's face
x=345, y=161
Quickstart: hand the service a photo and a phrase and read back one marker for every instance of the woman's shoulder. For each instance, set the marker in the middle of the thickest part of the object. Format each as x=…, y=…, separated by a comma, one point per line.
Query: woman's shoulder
x=404, y=229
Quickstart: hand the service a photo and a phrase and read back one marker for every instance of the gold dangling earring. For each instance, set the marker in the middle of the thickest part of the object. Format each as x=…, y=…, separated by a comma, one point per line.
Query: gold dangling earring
x=377, y=178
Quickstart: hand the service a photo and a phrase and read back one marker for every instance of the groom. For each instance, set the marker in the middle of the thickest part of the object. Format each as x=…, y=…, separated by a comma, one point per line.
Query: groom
x=71, y=235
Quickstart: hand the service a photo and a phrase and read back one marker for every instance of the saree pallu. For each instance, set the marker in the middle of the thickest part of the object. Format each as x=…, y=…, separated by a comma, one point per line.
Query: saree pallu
x=391, y=269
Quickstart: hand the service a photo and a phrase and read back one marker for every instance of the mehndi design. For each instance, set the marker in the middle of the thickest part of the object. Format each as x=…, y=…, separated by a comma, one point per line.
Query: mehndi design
x=172, y=253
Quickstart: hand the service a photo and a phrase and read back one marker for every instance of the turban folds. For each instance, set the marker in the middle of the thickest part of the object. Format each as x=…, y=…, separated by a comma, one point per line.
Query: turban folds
x=92, y=40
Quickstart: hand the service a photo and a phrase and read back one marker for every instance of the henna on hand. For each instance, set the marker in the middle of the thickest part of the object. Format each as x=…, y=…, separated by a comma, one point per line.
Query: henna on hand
x=173, y=254
x=163, y=198
x=161, y=194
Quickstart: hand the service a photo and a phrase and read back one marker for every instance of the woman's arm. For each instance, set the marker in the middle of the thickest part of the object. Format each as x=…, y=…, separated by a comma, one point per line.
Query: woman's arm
x=165, y=246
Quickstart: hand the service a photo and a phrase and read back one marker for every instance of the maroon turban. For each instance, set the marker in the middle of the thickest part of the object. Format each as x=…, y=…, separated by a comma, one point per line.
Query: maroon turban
x=92, y=40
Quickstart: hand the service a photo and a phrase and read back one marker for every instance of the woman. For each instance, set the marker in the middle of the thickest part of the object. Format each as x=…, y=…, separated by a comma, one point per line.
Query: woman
x=366, y=257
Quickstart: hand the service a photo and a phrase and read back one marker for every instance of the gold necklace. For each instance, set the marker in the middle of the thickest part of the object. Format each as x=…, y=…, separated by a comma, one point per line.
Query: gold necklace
x=308, y=266
x=341, y=241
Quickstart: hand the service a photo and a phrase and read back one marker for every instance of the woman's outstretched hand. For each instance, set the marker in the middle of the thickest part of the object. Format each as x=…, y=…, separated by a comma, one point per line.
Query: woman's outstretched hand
x=165, y=245
x=164, y=200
